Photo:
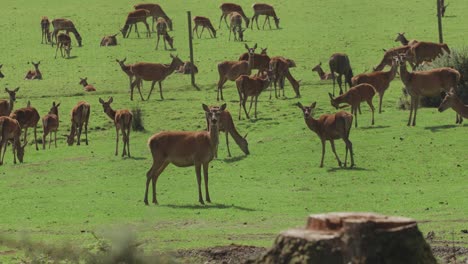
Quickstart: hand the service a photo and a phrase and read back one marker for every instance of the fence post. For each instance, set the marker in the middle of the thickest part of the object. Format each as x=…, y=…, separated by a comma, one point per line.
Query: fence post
x=192, y=73
x=439, y=20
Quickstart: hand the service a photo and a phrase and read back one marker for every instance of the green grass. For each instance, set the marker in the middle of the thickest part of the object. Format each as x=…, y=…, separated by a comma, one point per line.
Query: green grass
x=419, y=172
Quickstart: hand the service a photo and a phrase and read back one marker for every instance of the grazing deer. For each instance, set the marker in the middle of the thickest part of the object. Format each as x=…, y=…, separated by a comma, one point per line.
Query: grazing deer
x=10, y=130
x=230, y=70
x=133, y=18
x=27, y=117
x=154, y=72
x=50, y=123
x=389, y=57
x=161, y=27
x=353, y=97
x=253, y=87
x=404, y=41
x=122, y=121
x=425, y=51
x=452, y=100
x=110, y=40
x=68, y=26
x=236, y=26
x=268, y=11
x=203, y=22
x=1, y=74
x=64, y=44
x=323, y=76
x=226, y=124
x=87, y=87
x=35, y=74
x=156, y=12
x=228, y=8
x=330, y=127
x=379, y=79
x=185, y=149
x=79, y=117
x=45, y=29
x=280, y=67
x=6, y=106
x=426, y=83
x=261, y=61
x=339, y=64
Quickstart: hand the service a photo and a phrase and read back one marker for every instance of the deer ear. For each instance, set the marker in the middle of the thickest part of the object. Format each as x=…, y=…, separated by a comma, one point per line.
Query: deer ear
x=6, y=90
x=101, y=101
x=110, y=100
x=223, y=107
x=246, y=47
x=53, y=103
x=1, y=65
x=313, y=105
x=246, y=135
x=255, y=46
x=57, y=105
x=320, y=64
x=384, y=50
x=206, y=108
x=299, y=105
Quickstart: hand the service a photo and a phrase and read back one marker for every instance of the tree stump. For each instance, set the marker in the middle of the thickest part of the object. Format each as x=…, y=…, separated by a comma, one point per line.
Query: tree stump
x=354, y=238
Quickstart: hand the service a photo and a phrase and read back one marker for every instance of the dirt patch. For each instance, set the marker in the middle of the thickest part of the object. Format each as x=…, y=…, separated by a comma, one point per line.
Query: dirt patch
x=221, y=254
x=450, y=254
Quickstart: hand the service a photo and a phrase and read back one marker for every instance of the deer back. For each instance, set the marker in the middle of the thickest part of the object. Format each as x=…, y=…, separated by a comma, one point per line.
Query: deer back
x=26, y=117
x=4, y=108
x=388, y=56
x=264, y=9
x=426, y=51
x=150, y=71
x=233, y=69
x=260, y=61
x=123, y=118
x=430, y=83
x=339, y=63
x=80, y=113
x=9, y=128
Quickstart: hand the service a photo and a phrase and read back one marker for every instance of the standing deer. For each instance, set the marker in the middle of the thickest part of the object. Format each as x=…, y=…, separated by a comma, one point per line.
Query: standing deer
x=203, y=22
x=261, y=61
x=64, y=44
x=451, y=100
x=403, y=40
x=45, y=29
x=127, y=69
x=280, y=67
x=10, y=130
x=1, y=74
x=154, y=72
x=323, y=76
x=253, y=87
x=227, y=8
x=27, y=117
x=35, y=74
x=156, y=12
x=185, y=149
x=230, y=70
x=50, y=123
x=68, y=26
x=339, y=64
x=353, y=97
x=161, y=27
x=425, y=51
x=6, y=106
x=110, y=40
x=389, y=57
x=235, y=27
x=87, y=87
x=268, y=11
x=330, y=127
x=122, y=121
x=79, y=117
x=133, y=18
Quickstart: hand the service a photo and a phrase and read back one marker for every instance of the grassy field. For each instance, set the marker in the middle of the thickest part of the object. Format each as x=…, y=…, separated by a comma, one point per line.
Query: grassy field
x=56, y=194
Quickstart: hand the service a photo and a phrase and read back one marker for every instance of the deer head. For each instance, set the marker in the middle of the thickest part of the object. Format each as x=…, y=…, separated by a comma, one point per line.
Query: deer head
x=169, y=40
x=400, y=37
x=54, y=109
x=264, y=51
x=1, y=74
x=213, y=113
x=318, y=67
x=176, y=61
x=448, y=101
x=12, y=93
x=36, y=65
x=70, y=139
x=241, y=34
x=251, y=51
x=106, y=105
x=84, y=81
x=20, y=151
x=277, y=20
x=307, y=110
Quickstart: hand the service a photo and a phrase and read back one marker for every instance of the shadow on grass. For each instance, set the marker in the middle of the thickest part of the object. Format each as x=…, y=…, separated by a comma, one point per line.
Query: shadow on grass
x=439, y=128
x=260, y=119
x=374, y=127
x=234, y=159
x=209, y=206
x=347, y=168
x=137, y=158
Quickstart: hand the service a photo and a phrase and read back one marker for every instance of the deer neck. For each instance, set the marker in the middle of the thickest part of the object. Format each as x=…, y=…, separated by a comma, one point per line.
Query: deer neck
x=405, y=75
x=168, y=70
x=110, y=113
x=10, y=106
x=214, y=137
x=313, y=124
x=250, y=63
x=404, y=41
x=321, y=73
x=393, y=70
x=240, y=141
x=460, y=108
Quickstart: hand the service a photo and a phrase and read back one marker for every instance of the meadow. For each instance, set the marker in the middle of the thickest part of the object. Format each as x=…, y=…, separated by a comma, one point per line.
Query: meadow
x=60, y=195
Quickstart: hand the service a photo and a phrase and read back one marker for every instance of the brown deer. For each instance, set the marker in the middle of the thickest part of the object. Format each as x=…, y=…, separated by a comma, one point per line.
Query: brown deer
x=230, y=70
x=236, y=26
x=35, y=74
x=50, y=123
x=127, y=70
x=339, y=64
x=79, y=117
x=323, y=76
x=389, y=57
x=426, y=83
x=1, y=74
x=161, y=27
x=227, y=8
x=45, y=29
x=330, y=127
x=261, y=61
x=64, y=44
x=353, y=97
x=185, y=149
x=68, y=26
x=122, y=121
x=268, y=11
x=6, y=106
x=425, y=51
x=133, y=18
x=203, y=22
x=253, y=87
x=380, y=80
x=156, y=12
x=451, y=100
x=110, y=40
x=10, y=130
x=154, y=72
x=280, y=67
x=27, y=117
x=403, y=40
x=226, y=124
x=87, y=87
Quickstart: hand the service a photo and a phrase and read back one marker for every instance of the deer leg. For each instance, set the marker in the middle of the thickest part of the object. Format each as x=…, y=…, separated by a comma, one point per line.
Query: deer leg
x=160, y=90
x=14, y=153
x=128, y=138
x=157, y=42
x=56, y=51
x=251, y=102
x=371, y=106
x=132, y=86
x=225, y=21
x=198, y=173
x=50, y=139
x=230, y=30
x=380, y=101
x=256, y=101
x=221, y=82
x=1, y=146
x=35, y=136
x=55, y=138
x=140, y=83
x=264, y=22
x=205, y=178
x=86, y=131
x=44, y=135
x=339, y=84
x=220, y=20
x=349, y=146
x=203, y=29
x=227, y=144
x=359, y=108
x=244, y=100
x=323, y=153
x=332, y=143
x=355, y=110
x=117, y=141
x=411, y=111
x=78, y=135
x=25, y=134
x=148, y=32
x=152, y=175
x=416, y=104
x=124, y=140
x=136, y=30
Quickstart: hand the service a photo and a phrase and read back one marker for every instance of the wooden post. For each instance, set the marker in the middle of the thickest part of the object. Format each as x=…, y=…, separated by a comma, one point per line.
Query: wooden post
x=192, y=73
x=439, y=19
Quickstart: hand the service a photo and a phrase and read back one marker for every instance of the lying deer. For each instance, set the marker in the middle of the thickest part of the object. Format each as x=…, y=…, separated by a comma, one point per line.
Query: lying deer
x=451, y=100
x=161, y=27
x=6, y=106
x=87, y=87
x=253, y=87
x=133, y=18
x=35, y=74
x=68, y=26
x=155, y=11
x=330, y=127
x=280, y=67
x=339, y=64
x=404, y=41
x=228, y=8
x=110, y=40
x=50, y=123
x=323, y=76
x=45, y=29
x=268, y=11
x=184, y=149
x=27, y=117
x=79, y=118
x=236, y=26
x=203, y=22
x=10, y=130
x=64, y=44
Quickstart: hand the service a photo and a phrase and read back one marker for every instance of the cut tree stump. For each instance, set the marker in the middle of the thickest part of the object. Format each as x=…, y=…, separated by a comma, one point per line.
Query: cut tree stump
x=354, y=238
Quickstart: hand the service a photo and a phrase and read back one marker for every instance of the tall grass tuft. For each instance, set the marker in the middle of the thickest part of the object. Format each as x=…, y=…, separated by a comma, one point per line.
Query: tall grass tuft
x=137, y=124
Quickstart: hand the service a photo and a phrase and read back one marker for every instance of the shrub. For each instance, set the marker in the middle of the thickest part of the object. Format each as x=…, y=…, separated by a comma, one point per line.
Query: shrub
x=137, y=124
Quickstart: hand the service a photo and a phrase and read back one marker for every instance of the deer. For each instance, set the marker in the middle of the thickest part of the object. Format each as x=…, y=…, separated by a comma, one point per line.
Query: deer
x=156, y=12
x=187, y=68
x=268, y=11
x=79, y=118
x=236, y=26
x=35, y=74
x=204, y=22
x=403, y=40
x=451, y=100
x=330, y=127
x=389, y=57
x=379, y=79
x=10, y=130
x=161, y=27
x=110, y=40
x=1, y=74
x=226, y=124
x=127, y=70
x=184, y=149
x=50, y=123
x=6, y=106
x=87, y=87
x=45, y=29
x=230, y=70
x=122, y=121
x=261, y=61
x=426, y=83
x=339, y=64
x=133, y=18
x=64, y=44
x=353, y=97
x=68, y=26
x=227, y=8
x=425, y=51
x=322, y=75
x=253, y=87
x=27, y=117
x=280, y=67
x=154, y=72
